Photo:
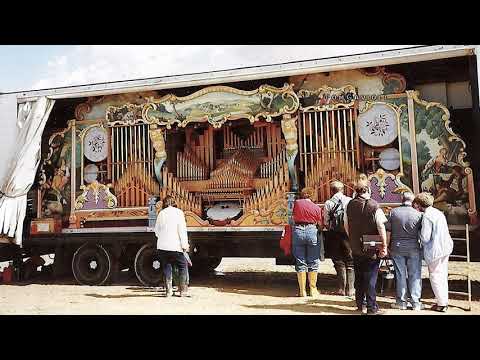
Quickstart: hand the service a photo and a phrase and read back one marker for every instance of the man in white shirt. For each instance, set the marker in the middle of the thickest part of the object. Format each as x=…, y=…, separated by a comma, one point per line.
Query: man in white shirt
x=337, y=239
x=172, y=242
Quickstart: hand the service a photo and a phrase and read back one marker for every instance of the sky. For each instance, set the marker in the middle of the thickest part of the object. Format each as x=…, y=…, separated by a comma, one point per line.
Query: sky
x=30, y=67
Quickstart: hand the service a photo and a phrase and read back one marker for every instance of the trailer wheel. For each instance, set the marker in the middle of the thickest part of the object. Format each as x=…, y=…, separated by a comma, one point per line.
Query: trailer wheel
x=91, y=265
x=148, y=267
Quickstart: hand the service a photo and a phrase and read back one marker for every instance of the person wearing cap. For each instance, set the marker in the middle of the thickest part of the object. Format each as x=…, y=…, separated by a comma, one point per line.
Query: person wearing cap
x=404, y=225
x=337, y=239
x=437, y=247
x=305, y=244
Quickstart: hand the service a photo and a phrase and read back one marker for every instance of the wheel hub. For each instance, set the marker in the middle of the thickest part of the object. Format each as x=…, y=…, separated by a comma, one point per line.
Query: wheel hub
x=156, y=264
x=93, y=265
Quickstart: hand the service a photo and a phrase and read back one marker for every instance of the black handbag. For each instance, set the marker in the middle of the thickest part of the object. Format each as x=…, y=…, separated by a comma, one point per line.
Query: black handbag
x=371, y=245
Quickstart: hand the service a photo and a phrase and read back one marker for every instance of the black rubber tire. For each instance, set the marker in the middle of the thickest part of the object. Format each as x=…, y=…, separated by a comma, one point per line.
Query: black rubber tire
x=81, y=265
x=145, y=271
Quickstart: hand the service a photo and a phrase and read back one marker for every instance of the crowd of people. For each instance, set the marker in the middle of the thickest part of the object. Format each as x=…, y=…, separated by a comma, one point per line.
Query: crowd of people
x=359, y=234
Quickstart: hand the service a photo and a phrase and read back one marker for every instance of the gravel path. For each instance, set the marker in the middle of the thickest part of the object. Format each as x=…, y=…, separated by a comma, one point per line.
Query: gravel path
x=239, y=286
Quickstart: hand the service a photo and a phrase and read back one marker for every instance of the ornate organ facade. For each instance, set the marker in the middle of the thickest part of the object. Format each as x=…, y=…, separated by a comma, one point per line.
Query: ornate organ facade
x=231, y=157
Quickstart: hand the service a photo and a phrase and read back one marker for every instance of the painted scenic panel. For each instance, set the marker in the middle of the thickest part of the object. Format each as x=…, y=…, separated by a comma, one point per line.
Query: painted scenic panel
x=440, y=162
x=54, y=175
x=213, y=104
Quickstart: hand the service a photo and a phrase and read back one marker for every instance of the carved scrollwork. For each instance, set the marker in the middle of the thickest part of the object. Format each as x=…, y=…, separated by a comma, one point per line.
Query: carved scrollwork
x=91, y=197
x=381, y=177
x=387, y=187
x=276, y=214
x=395, y=82
x=398, y=108
x=84, y=108
x=472, y=209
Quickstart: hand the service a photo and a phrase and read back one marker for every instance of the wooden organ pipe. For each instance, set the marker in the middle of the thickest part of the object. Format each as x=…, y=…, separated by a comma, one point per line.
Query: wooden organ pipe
x=232, y=141
x=185, y=200
x=134, y=188
x=272, y=191
x=236, y=172
x=189, y=167
x=269, y=168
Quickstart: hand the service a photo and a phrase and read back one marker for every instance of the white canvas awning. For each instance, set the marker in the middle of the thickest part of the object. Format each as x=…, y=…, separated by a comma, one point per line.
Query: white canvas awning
x=343, y=59
x=21, y=169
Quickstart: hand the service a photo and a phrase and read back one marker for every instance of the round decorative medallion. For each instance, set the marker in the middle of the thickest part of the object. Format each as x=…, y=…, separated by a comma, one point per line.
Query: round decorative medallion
x=95, y=144
x=90, y=173
x=390, y=159
x=378, y=125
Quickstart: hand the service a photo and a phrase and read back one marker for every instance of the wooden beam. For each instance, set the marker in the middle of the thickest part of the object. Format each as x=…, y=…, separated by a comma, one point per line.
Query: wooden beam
x=413, y=142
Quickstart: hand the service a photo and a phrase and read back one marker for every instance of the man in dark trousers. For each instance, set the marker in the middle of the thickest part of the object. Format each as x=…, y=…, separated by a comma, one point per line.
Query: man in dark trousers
x=364, y=217
x=404, y=224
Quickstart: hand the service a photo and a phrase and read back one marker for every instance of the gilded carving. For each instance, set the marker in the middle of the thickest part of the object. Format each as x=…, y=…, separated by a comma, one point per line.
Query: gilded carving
x=193, y=219
x=395, y=81
x=289, y=129
x=158, y=141
x=276, y=214
x=91, y=197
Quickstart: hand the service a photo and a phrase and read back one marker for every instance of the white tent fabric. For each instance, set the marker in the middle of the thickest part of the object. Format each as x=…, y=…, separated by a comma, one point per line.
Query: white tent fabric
x=31, y=120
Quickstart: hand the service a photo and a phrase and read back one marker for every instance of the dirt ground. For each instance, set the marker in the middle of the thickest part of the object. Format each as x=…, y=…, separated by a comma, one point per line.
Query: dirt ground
x=239, y=286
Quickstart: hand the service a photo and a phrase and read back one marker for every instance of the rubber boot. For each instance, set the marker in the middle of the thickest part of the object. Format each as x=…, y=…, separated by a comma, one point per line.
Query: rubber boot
x=341, y=280
x=302, y=283
x=312, y=279
x=183, y=290
x=350, y=282
x=168, y=287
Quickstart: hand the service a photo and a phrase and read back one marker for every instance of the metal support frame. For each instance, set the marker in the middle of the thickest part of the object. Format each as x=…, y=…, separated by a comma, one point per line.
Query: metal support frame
x=467, y=275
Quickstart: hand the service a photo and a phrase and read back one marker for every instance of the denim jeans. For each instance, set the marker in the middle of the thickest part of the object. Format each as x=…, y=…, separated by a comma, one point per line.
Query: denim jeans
x=408, y=268
x=167, y=258
x=306, y=248
x=366, y=274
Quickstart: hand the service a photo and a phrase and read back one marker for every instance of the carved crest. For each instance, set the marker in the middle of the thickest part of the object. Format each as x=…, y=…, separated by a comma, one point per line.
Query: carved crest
x=327, y=98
